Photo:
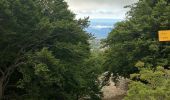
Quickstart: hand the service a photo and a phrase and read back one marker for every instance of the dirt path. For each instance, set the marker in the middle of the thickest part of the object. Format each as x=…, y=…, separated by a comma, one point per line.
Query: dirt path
x=112, y=93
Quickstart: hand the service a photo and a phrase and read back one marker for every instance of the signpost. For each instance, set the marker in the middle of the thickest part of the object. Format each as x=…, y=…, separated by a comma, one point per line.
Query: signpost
x=164, y=35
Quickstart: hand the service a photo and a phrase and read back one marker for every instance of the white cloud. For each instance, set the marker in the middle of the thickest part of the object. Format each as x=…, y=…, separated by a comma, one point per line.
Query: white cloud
x=100, y=8
x=100, y=26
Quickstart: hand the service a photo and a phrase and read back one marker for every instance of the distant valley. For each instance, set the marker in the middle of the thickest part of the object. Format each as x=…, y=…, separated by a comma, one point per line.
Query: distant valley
x=101, y=27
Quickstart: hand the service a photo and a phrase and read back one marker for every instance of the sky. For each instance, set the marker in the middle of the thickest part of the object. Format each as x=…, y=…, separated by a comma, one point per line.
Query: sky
x=100, y=9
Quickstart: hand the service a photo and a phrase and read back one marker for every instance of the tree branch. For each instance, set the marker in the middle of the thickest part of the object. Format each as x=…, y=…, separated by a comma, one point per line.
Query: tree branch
x=2, y=71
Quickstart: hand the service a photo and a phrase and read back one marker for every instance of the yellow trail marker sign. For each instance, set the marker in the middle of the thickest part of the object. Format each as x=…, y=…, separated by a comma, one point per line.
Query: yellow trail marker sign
x=164, y=35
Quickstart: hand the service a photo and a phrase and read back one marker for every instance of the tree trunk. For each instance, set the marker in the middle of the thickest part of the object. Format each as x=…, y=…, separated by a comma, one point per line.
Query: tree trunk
x=1, y=89
x=77, y=96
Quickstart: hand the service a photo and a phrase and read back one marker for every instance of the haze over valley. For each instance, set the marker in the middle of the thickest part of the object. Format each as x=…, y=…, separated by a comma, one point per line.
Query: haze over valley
x=101, y=27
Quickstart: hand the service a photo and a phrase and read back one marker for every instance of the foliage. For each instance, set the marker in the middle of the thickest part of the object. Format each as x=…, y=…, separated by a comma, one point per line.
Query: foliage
x=136, y=38
x=134, y=50
x=63, y=82
x=44, y=52
x=153, y=85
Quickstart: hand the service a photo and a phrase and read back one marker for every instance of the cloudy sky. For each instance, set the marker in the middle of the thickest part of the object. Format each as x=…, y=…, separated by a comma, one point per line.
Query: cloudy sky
x=100, y=8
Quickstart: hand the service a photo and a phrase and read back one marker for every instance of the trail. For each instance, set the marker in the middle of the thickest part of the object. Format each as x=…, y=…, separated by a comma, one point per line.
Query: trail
x=112, y=92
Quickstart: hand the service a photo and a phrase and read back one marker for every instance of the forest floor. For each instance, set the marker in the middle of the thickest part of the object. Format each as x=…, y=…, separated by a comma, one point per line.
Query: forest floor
x=111, y=92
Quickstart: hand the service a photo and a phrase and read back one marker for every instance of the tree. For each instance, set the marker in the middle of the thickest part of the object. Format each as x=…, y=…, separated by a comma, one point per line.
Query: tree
x=136, y=38
x=42, y=43
x=134, y=50
x=19, y=23
x=154, y=85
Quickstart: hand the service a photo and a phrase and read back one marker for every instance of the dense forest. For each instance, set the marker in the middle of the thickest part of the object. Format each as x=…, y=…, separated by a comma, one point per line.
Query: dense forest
x=45, y=53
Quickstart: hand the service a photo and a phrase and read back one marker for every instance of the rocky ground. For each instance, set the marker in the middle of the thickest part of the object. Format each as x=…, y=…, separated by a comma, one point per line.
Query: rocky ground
x=112, y=92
